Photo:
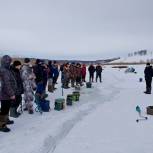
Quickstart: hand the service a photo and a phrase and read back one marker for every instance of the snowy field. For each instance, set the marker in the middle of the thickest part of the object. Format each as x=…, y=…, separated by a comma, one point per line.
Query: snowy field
x=103, y=121
x=135, y=59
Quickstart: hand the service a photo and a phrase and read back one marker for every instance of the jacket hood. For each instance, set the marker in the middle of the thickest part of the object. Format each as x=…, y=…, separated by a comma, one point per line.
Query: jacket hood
x=6, y=61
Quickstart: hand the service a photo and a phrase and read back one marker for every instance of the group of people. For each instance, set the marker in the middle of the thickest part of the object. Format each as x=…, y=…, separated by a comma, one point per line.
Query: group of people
x=75, y=74
x=17, y=79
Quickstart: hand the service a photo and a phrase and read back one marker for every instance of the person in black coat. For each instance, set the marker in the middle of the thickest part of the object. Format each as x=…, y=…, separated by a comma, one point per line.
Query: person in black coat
x=15, y=69
x=55, y=72
x=50, y=66
x=98, y=72
x=45, y=74
x=148, y=77
x=8, y=89
x=91, y=70
x=38, y=71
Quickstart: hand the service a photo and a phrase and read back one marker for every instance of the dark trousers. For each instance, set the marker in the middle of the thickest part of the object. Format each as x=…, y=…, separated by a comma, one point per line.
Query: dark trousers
x=17, y=101
x=84, y=78
x=45, y=84
x=148, y=84
x=91, y=77
x=98, y=75
x=5, y=107
x=55, y=79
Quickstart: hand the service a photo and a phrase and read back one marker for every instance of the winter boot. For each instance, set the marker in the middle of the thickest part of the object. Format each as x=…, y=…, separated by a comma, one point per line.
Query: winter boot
x=3, y=120
x=30, y=111
x=13, y=112
x=17, y=111
x=9, y=122
x=30, y=108
x=148, y=90
x=4, y=128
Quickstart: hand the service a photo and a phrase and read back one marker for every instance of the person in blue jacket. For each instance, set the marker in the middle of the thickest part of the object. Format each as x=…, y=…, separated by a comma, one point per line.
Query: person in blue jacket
x=55, y=73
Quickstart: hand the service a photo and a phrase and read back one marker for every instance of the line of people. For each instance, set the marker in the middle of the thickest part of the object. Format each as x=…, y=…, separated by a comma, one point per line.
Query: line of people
x=76, y=74
x=17, y=79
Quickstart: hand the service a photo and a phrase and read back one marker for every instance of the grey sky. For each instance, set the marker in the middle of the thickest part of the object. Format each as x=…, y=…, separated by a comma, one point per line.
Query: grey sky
x=75, y=29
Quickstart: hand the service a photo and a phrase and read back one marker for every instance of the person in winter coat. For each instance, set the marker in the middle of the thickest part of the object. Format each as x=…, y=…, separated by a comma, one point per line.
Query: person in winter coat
x=73, y=74
x=45, y=74
x=15, y=69
x=66, y=76
x=50, y=66
x=55, y=73
x=91, y=70
x=78, y=74
x=62, y=74
x=83, y=73
x=8, y=89
x=29, y=85
x=38, y=71
x=98, y=72
x=148, y=77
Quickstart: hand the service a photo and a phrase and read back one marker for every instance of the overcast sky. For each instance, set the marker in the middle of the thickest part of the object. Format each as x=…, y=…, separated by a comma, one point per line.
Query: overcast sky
x=75, y=29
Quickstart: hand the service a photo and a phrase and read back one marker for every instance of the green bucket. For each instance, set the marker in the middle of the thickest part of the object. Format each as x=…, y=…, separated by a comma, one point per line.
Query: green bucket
x=69, y=100
x=88, y=85
x=76, y=95
x=59, y=104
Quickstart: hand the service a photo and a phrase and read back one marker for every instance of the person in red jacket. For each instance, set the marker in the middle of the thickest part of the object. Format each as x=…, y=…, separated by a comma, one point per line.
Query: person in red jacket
x=83, y=72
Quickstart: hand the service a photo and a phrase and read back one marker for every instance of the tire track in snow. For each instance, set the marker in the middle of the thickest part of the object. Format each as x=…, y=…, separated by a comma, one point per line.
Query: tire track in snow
x=51, y=142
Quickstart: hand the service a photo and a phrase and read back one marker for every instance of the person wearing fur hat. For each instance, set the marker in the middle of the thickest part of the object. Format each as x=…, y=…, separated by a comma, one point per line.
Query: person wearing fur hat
x=148, y=77
x=29, y=85
x=8, y=89
x=15, y=69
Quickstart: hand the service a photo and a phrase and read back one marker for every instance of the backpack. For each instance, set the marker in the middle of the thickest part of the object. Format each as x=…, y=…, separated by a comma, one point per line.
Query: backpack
x=44, y=104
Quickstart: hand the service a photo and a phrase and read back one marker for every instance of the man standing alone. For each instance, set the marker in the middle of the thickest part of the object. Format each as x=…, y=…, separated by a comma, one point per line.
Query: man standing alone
x=148, y=77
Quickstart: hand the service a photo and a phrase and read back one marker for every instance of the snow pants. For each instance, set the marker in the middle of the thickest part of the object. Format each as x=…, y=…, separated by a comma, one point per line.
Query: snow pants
x=98, y=75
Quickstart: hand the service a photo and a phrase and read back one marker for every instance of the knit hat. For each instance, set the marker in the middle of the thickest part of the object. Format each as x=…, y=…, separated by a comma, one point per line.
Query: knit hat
x=6, y=61
x=16, y=63
x=26, y=60
x=148, y=64
x=38, y=61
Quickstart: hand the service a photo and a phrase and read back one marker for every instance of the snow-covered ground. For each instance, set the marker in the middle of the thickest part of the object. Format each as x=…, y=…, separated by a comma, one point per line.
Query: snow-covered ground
x=135, y=59
x=103, y=121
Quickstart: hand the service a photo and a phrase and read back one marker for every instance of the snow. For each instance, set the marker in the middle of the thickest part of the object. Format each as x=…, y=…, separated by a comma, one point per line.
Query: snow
x=135, y=59
x=103, y=121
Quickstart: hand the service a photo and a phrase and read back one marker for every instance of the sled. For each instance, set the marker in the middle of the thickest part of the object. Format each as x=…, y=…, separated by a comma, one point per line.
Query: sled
x=141, y=117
